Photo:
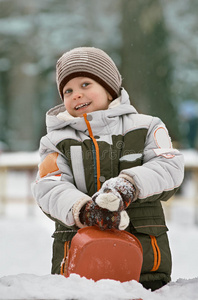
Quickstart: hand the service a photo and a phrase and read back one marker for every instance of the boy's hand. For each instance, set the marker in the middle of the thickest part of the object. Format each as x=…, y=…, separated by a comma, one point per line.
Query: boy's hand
x=92, y=214
x=115, y=195
x=106, y=208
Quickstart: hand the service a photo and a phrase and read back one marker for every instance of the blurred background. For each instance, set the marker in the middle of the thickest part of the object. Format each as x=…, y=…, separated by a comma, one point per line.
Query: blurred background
x=155, y=46
x=153, y=42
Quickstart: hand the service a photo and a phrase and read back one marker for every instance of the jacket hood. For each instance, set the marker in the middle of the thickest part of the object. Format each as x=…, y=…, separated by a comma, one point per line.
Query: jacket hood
x=58, y=118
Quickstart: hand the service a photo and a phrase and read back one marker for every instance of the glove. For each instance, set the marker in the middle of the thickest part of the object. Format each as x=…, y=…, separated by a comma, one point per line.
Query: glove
x=115, y=195
x=92, y=214
x=106, y=208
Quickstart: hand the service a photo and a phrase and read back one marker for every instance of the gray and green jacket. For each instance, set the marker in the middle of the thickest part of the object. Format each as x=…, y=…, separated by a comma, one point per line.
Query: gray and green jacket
x=130, y=144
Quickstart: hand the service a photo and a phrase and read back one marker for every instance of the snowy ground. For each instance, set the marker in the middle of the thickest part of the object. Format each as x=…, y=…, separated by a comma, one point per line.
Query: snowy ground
x=25, y=258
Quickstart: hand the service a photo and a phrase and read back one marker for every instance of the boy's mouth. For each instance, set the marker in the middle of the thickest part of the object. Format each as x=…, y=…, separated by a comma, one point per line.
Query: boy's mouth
x=82, y=105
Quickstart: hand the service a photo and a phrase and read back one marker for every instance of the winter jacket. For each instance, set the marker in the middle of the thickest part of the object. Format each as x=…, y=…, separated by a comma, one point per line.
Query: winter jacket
x=79, y=154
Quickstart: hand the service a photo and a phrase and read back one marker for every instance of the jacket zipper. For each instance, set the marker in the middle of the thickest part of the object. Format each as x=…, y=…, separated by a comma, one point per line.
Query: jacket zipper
x=97, y=154
x=156, y=252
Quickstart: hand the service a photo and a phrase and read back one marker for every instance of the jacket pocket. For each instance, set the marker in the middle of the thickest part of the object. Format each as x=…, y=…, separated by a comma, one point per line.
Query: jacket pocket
x=147, y=218
x=156, y=251
x=152, y=226
x=63, y=233
x=153, y=232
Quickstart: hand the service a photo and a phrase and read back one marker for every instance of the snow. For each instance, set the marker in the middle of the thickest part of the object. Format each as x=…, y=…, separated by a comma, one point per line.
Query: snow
x=26, y=249
x=28, y=286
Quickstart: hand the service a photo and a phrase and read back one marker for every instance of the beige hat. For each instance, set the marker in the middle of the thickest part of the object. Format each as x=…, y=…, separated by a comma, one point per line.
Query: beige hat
x=89, y=62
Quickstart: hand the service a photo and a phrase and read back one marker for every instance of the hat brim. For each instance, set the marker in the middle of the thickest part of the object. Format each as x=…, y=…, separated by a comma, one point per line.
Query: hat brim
x=90, y=75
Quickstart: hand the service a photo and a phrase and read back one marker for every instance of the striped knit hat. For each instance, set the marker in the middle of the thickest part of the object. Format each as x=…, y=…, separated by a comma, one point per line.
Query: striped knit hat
x=88, y=62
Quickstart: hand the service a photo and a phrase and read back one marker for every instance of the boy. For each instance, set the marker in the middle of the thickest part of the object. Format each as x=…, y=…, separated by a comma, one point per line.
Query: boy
x=104, y=164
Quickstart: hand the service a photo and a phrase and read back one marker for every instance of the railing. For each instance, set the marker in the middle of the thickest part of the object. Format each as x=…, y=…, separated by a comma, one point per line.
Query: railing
x=18, y=161
x=191, y=165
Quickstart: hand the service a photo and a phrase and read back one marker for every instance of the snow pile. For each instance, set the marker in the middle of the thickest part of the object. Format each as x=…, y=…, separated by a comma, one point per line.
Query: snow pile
x=25, y=286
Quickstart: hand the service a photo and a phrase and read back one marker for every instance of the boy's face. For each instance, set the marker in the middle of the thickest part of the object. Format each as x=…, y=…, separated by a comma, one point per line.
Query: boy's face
x=84, y=95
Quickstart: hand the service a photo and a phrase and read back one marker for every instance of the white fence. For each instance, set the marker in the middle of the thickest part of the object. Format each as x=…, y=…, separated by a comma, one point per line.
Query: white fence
x=17, y=171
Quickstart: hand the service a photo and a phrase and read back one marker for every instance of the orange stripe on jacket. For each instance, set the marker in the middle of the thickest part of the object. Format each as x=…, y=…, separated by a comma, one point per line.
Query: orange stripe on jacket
x=64, y=264
x=48, y=165
x=157, y=254
x=97, y=150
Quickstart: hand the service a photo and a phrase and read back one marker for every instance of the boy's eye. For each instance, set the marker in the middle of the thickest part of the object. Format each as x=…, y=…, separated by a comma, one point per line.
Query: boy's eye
x=85, y=84
x=68, y=91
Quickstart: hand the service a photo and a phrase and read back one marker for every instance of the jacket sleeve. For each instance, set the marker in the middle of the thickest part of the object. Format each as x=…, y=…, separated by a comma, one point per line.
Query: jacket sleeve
x=162, y=170
x=54, y=188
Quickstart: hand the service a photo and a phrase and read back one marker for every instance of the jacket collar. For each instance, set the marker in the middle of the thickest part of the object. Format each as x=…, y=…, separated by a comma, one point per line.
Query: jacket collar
x=58, y=117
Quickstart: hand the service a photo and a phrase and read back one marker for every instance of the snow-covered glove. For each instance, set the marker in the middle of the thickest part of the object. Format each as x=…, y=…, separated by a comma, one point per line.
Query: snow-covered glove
x=92, y=214
x=115, y=195
x=87, y=213
x=107, y=207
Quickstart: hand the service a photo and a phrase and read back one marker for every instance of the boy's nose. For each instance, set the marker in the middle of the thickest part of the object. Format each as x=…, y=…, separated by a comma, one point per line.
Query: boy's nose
x=77, y=96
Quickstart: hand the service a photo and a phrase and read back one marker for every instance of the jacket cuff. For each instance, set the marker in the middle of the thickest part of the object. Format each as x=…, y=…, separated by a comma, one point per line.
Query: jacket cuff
x=131, y=180
x=76, y=211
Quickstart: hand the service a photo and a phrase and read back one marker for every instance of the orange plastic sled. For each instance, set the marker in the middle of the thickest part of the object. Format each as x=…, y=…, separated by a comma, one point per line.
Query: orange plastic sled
x=109, y=254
